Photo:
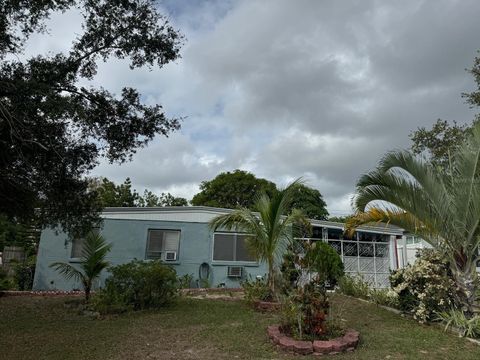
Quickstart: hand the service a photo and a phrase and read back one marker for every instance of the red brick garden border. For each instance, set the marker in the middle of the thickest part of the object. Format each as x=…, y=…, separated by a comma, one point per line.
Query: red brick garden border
x=348, y=342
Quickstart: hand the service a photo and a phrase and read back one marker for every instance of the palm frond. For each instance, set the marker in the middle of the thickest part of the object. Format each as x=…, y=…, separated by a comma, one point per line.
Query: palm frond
x=68, y=271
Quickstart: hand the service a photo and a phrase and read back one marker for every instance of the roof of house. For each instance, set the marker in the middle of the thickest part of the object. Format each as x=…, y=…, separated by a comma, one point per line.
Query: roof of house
x=203, y=214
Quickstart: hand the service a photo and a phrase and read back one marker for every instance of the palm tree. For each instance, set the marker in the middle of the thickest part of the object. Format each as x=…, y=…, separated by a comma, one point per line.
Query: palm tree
x=91, y=263
x=442, y=208
x=270, y=229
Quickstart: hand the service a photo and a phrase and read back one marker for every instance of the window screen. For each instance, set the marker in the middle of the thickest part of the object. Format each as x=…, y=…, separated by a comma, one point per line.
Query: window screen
x=78, y=244
x=230, y=247
x=160, y=241
x=77, y=247
x=242, y=253
x=223, y=247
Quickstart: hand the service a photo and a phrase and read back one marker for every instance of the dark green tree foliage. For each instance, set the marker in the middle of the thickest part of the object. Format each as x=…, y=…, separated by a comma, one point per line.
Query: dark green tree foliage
x=473, y=98
x=112, y=195
x=13, y=233
x=122, y=195
x=340, y=219
x=443, y=139
x=149, y=199
x=233, y=190
x=440, y=142
x=54, y=130
x=310, y=201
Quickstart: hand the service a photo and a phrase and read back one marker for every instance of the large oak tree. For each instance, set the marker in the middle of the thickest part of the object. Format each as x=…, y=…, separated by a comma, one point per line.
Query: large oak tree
x=53, y=130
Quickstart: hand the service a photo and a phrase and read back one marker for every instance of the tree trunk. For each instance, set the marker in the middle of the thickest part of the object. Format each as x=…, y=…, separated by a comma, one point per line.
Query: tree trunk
x=87, y=293
x=271, y=278
x=466, y=291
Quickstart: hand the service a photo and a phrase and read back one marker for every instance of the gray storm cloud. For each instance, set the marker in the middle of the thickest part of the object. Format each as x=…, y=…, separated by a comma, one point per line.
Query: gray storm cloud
x=284, y=89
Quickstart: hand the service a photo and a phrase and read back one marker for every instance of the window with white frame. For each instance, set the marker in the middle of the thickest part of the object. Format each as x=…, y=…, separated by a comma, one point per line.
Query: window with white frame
x=163, y=244
x=413, y=240
x=231, y=247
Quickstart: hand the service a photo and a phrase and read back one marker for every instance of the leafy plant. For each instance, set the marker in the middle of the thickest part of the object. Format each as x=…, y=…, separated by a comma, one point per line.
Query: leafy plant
x=185, y=281
x=270, y=229
x=386, y=297
x=6, y=283
x=25, y=273
x=305, y=310
x=290, y=269
x=323, y=261
x=256, y=289
x=453, y=318
x=425, y=287
x=204, y=283
x=354, y=286
x=137, y=285
x=92, y=263
x=443, y=209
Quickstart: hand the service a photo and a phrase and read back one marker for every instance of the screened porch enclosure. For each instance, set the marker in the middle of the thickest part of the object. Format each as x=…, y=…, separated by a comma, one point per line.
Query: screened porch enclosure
x=366, y=253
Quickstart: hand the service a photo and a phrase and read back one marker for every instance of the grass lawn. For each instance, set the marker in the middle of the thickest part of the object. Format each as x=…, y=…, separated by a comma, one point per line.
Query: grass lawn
x=42, y=328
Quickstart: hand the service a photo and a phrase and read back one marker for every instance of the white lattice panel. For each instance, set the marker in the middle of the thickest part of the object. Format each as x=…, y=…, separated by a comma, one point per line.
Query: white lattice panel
x=366, y=265
x=369, y=278
x=382, y=265
x=381, y=250
x=350, y=264
x=383, y=281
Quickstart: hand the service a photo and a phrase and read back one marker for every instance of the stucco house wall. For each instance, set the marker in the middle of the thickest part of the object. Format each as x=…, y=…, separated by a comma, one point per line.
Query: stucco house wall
x=129, y=241
x=127, y=230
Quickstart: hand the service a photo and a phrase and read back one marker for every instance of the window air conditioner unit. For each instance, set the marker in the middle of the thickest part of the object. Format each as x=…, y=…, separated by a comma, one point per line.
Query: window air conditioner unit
x=170, y=255
x=235, y=271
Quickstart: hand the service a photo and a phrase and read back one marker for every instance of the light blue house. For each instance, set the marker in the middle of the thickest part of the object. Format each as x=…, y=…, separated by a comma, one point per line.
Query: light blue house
x=181, y=237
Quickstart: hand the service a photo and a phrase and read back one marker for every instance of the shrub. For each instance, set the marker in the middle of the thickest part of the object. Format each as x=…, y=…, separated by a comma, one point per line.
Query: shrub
x=321, y=259
x=137, y=285
x=256, y=289
x=24, y=274
x=185, y=281
x=354, y=286
x=290, y=271
x=305, y=310
x=426, y=287
x=5, y=282
x=469, y=327
x=386, y=297
x=357, y=287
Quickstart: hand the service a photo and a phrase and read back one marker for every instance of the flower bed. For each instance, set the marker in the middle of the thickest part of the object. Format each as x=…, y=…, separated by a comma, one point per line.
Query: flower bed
x=348, y=342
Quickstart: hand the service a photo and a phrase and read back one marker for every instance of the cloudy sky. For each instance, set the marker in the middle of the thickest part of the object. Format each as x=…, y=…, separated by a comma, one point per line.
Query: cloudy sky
x=319, y=89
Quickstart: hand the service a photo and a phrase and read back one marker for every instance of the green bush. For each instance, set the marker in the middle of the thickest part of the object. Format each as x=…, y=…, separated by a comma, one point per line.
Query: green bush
x=24, y=274
x=453, y=318
x=185, y=281
x=357, y=287
x=5, y=282
x=386, y=297
x=256, y=289
x=321, y=259
x=137, y=285
x=354, y=286
x=305, y=310
x=425, y=287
